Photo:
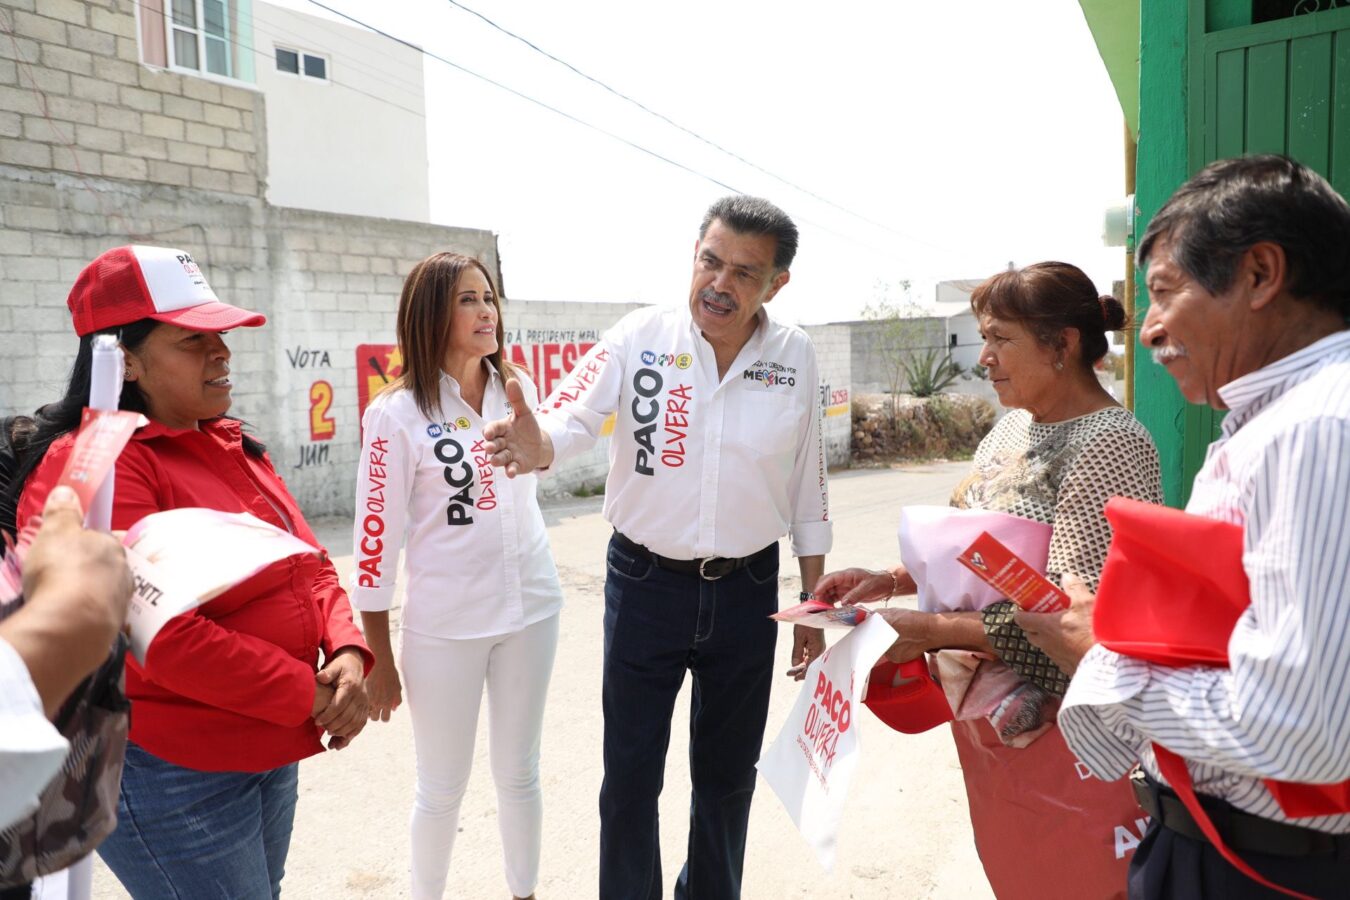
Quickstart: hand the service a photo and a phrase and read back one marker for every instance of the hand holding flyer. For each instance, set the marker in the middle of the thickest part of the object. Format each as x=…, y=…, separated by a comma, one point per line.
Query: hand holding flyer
x=819, y=614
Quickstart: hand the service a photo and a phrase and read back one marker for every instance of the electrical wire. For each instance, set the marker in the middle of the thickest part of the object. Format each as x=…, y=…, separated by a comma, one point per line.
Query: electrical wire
x=526, y=97
x=676, y=125
x=889, y=253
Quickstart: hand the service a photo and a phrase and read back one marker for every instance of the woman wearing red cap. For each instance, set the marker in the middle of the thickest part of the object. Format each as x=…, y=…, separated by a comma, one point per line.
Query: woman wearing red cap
x=1065, y=449
x=232, y=695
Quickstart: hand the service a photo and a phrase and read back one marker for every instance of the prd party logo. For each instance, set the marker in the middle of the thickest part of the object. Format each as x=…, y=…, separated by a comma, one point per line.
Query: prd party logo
x=682, y=361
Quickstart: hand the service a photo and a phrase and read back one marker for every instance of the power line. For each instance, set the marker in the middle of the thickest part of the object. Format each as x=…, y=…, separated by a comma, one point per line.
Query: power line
x=423, y=51
x=671, y=122
x=527, y=97
x=596, y=128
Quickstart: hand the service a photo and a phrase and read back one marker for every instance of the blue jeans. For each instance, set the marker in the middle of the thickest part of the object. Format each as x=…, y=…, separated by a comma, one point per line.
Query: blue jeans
x=658, y=624
x=182, y=833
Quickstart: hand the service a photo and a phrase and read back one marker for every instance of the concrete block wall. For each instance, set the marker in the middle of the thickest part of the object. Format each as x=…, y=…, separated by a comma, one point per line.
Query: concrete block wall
x=75, y=98
x=877, y=343
x=335, y=283
x=834, y=355
x=548, y=338
x=52, y=224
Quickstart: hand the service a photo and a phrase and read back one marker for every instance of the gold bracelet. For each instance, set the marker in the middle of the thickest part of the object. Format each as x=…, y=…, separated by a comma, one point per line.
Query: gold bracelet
x=895, y=584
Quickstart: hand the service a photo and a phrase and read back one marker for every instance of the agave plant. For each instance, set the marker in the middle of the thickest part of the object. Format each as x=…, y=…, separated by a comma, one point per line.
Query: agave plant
x=930, y=371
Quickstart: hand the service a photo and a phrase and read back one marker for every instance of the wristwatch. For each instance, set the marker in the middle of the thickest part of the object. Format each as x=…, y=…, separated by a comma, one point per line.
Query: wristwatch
x=804, y=596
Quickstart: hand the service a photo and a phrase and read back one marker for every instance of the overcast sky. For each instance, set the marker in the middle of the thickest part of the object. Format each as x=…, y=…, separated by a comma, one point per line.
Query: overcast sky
x=958, y=135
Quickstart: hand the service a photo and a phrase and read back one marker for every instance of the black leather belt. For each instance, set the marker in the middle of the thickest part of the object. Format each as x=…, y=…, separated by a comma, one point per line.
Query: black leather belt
x=1241, y=831
x=709, y=568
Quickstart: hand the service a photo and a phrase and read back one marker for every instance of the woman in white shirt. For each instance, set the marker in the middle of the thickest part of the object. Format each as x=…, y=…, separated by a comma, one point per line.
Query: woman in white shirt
x=483, y=597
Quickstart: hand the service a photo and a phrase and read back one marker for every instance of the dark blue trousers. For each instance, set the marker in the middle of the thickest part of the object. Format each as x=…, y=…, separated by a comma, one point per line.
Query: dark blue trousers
x=1171, y=866
x=658, y=625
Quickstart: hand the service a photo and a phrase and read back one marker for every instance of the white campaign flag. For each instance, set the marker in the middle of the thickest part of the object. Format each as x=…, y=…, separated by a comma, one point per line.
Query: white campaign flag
x=811, y=762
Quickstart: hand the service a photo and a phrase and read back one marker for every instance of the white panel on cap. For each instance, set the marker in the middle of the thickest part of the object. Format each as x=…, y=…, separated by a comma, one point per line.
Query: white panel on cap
x=174, y=279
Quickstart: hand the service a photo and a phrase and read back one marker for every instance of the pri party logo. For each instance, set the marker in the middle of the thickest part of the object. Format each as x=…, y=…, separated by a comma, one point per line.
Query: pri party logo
x=681, y=361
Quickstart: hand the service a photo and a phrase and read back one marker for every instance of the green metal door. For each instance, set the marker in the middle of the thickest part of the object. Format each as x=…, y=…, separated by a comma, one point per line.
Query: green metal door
x=1280, y=87
x=1277, y=87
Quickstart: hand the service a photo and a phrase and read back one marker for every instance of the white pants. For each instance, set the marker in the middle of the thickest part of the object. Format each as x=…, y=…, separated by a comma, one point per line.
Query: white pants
x=444, y=681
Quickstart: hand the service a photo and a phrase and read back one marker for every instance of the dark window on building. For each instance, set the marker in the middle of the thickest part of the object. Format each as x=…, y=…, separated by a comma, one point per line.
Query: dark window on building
x=288, y=61
x=1271, y=10
x=953, y=340
x=316, y=66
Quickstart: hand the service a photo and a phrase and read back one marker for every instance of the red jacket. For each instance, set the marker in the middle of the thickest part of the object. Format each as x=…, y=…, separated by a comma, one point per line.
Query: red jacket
x=230, y=686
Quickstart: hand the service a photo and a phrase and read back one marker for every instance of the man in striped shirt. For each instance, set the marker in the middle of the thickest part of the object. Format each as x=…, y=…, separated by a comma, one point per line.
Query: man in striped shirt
x=1249, y=290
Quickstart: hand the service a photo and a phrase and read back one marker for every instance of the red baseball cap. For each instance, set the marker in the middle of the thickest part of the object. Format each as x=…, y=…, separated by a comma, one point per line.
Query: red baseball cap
x=127, y=284
x=905, y=696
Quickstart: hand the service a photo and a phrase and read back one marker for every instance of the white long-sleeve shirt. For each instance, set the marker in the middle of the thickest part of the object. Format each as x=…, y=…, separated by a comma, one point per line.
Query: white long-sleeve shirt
x=477, y=555
x=701, y=465
x=31, y=749
x=1281, y=469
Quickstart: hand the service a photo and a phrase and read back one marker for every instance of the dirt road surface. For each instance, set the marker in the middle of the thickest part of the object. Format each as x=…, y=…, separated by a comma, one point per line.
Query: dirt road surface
x=905, y=834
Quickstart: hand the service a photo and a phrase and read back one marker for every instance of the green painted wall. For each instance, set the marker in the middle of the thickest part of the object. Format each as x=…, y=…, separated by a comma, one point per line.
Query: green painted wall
x=1162, y=165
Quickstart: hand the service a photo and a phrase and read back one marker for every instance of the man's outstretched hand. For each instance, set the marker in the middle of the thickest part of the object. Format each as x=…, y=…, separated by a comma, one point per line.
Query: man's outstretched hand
x=516, y=443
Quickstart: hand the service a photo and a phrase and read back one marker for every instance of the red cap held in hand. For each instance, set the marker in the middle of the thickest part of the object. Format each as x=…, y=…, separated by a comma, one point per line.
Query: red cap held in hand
x=905, y=696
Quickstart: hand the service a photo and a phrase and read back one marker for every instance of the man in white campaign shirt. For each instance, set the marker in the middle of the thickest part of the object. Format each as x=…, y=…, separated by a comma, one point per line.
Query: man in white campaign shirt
x=716, y=454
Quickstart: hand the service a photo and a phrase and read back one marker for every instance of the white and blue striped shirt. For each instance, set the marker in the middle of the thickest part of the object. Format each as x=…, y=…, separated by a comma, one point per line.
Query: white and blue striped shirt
x=1281, y=469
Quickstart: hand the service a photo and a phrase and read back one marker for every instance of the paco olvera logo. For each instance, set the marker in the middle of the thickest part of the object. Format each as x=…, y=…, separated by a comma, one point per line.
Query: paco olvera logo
x=771, y=374
x=189, y=264
x=828, y=717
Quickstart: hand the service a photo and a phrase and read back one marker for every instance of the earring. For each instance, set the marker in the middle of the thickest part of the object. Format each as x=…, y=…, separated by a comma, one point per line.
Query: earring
x=1059, y=366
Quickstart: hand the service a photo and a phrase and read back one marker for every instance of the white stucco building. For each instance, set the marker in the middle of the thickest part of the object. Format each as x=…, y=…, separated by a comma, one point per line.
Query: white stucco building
x=339, y=100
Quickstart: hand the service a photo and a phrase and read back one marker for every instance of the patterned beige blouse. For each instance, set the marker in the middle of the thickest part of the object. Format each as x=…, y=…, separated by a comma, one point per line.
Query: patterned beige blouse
x=1060, y=473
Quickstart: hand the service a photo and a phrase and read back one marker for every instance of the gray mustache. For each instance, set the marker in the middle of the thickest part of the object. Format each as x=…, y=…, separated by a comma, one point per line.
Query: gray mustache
x=711, y=296
x=1163, y=355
